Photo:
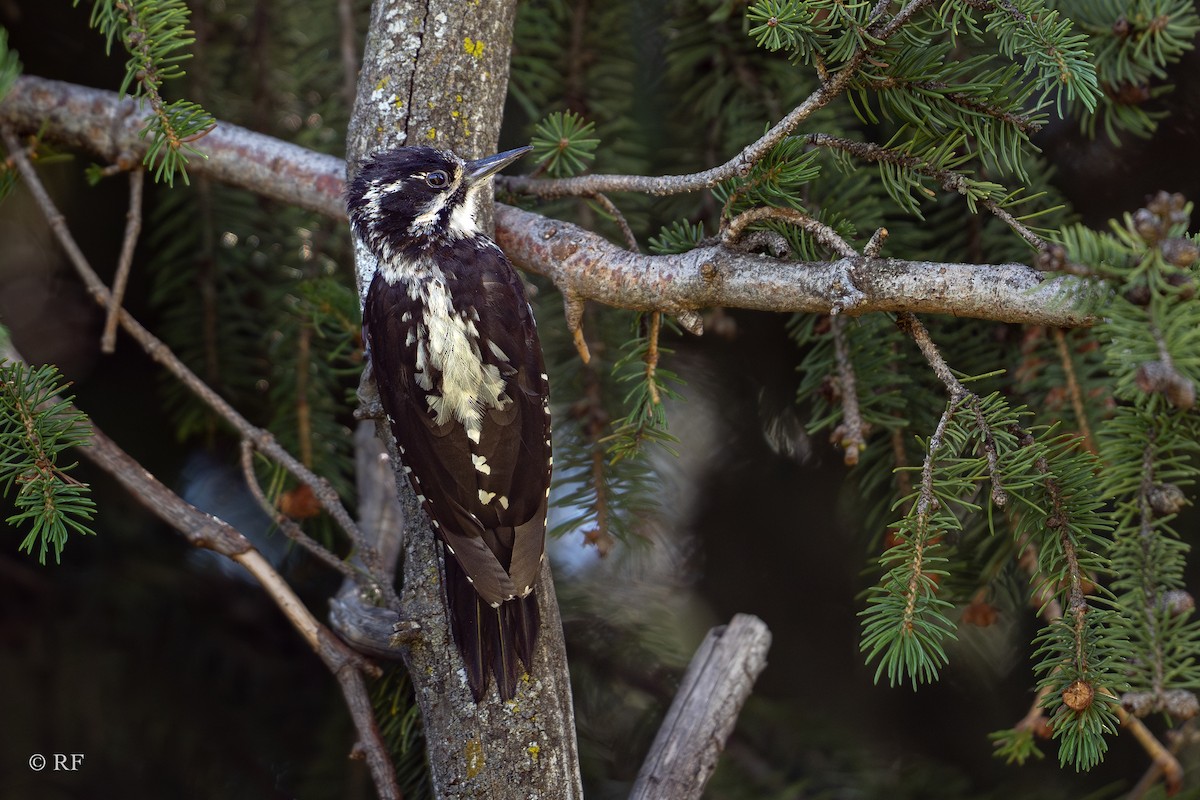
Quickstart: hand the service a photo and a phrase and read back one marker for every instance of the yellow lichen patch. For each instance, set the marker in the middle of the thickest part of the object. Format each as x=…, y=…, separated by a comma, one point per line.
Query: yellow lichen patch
x=474, y=755
x=431, y=134
x=473, y=46
x=382, y=82
x=533, y=751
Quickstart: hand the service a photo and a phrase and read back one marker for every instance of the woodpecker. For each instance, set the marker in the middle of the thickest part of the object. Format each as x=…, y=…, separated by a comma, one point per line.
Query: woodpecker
x=454, y=351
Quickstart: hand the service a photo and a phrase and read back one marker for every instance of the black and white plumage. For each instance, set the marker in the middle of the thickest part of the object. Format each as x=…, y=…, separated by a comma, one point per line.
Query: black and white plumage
x=455, y=354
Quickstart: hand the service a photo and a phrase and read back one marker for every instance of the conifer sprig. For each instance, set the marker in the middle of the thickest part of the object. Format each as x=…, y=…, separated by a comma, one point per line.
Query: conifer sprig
x=1056, y=57
x=564, y=144
x=154, y=33
x=37, y=423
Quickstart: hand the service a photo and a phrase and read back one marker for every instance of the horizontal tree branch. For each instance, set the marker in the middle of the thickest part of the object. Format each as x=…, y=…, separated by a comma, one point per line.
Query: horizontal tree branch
x=585, y=264
x=580, y=262
x=107, y=124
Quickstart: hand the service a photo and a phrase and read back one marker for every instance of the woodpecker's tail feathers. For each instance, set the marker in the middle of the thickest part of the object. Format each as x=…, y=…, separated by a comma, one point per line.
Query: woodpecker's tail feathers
x=496, y=641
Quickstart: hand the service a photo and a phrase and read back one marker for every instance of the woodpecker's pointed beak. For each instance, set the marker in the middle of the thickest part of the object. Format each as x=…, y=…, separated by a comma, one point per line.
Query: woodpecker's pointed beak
x=483, y=168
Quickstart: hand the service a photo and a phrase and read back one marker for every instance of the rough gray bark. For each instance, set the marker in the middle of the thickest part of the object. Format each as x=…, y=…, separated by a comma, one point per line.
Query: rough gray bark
x=436, y=73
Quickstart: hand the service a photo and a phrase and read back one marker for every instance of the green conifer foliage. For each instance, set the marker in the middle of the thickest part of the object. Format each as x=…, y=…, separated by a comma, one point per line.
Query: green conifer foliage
x=975, y=492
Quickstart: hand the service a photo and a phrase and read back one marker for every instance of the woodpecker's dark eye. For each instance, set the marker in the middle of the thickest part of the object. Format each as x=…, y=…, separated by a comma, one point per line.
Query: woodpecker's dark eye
x=438, y=179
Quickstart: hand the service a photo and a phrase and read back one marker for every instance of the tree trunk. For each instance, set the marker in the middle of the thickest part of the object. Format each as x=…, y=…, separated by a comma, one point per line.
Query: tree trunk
x=436, y=73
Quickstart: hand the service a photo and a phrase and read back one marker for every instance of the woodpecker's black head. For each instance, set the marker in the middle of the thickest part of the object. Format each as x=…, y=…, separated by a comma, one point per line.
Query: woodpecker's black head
x=418, y=196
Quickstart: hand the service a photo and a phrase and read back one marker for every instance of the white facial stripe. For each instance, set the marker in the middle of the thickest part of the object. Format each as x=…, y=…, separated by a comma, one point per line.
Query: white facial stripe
x=462, y=218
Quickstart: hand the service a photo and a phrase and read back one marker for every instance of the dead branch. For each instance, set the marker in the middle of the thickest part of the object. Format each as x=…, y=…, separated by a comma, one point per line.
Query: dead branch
x=714, y=688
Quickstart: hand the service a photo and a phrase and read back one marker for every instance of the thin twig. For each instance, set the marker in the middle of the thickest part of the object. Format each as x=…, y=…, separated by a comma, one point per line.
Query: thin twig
x=950, y=180
x=1163, y=759
x=1151, y=594
x=626, y=231
x=920, y=335
x=205, y=530
x=998, y=493
x=289, y=527
x=851, y=430
x=133, y=228
x=1068, y=367
x=160, y=352
x=819, y=230
x=1165, y=763
x=958, y=393
x=651, y=358
x=927, y=504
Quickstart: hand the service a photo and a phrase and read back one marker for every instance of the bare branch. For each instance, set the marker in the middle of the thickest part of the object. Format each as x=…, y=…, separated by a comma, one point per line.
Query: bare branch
x=288, y=526
x=584, y=264
x=590, y=266
x=108, y=125
x=714, y=688
x=133, y=227
x=851, y=433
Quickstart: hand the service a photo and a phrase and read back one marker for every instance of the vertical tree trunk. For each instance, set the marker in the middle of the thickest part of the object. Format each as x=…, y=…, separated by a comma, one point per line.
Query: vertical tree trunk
x=435, y=72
